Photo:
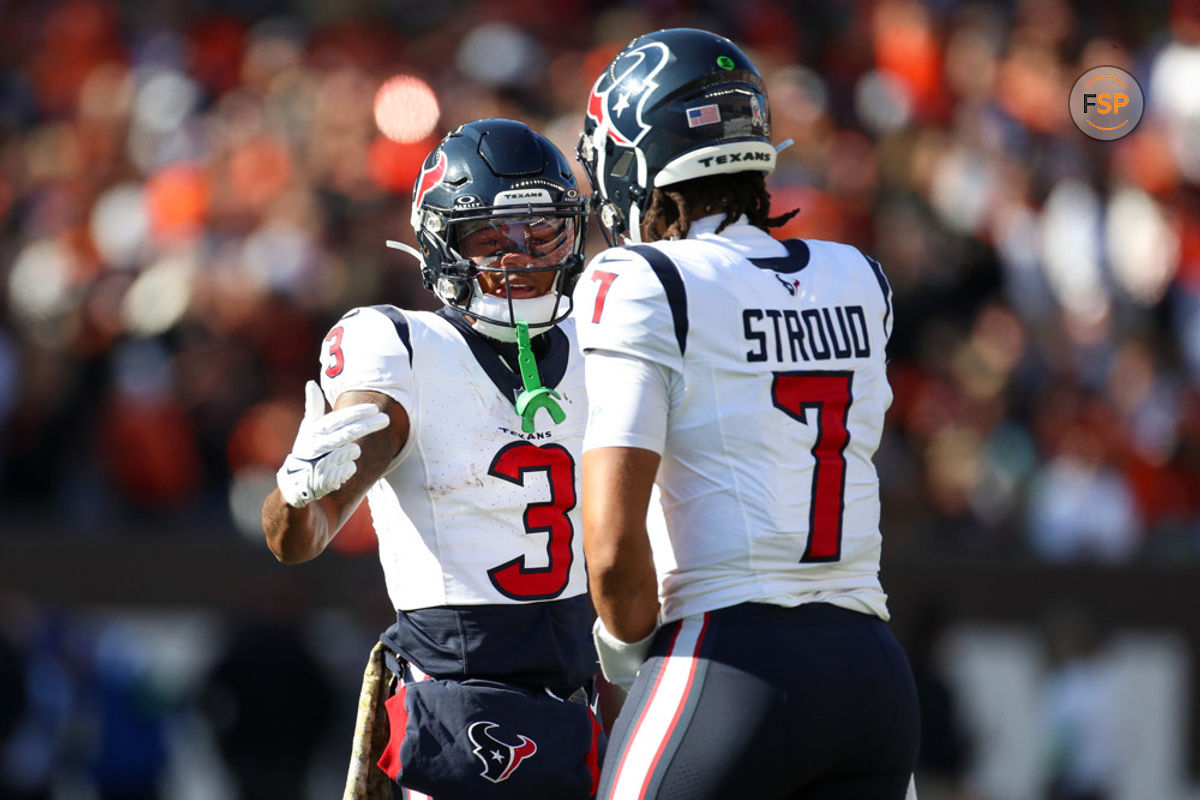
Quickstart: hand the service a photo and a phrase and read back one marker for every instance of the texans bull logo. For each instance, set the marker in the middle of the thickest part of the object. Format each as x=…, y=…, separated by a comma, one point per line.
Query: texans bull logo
x=627, y=84
x=499, y=759
x=430, y=177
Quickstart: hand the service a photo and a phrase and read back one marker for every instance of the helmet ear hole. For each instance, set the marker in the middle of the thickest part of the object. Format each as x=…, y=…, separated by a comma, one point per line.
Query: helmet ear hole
x=620, y=168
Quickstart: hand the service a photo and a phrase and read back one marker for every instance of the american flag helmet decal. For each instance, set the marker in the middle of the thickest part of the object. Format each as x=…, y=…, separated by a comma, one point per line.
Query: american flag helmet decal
x=703, y=115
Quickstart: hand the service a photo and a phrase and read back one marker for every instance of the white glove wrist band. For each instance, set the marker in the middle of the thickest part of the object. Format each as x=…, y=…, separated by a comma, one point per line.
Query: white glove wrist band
x=620, y=661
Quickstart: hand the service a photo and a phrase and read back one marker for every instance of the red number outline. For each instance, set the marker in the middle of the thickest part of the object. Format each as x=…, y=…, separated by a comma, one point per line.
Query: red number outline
x=605, y=279
x=512, y=578
x=828, y=392
x=335, y=350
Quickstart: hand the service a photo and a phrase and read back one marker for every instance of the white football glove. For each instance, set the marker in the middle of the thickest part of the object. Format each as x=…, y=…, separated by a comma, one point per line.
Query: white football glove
x=322, y=459
x=620, y=661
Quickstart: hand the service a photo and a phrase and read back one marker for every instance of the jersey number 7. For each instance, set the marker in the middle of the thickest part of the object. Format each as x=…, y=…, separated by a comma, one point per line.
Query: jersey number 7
x=828, y=394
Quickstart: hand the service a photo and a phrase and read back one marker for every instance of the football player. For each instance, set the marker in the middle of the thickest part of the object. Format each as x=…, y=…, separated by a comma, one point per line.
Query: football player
x=463, y=430
x=748, y=376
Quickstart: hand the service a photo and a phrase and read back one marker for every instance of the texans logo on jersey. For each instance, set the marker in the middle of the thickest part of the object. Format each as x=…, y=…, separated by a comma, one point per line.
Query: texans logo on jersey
x=791, y=285
x=499, y=759
x=616, y=102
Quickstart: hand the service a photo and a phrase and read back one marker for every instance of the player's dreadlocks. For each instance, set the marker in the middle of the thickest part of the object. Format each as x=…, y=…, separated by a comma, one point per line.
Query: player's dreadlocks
x=671, y=207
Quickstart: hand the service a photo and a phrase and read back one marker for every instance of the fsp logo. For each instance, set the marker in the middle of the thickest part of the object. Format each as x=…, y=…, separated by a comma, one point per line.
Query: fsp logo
x=1106, y=103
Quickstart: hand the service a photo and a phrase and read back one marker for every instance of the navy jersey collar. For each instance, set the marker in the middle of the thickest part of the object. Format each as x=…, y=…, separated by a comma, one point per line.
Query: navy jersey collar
x=551, y=349
x=795, y=260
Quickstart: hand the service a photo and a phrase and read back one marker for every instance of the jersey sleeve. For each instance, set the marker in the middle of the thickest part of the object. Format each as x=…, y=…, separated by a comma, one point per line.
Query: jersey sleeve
x=629, y=402
x=621, y=306
x=369, y=350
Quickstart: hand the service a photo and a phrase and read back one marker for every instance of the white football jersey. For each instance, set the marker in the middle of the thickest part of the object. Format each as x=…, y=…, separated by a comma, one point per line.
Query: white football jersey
x=766, y=480
x=473, y=511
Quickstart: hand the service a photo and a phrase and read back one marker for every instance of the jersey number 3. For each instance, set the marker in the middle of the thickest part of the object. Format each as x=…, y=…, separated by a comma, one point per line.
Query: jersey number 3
x=512, y=578
x=828, y=393
x=337, y=360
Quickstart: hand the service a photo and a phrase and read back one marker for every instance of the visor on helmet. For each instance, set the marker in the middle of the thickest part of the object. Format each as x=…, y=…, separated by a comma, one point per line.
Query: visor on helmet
x=549, y=239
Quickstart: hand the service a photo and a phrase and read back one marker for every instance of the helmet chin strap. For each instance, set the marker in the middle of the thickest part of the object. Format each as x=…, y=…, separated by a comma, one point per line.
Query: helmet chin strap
x=634, y=236
x=501, y=333
x=536, y=311
x=535, y=395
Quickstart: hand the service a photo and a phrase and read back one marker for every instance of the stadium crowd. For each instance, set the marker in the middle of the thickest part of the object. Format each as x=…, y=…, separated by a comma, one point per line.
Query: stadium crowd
x=189, y=192
x=192, y=191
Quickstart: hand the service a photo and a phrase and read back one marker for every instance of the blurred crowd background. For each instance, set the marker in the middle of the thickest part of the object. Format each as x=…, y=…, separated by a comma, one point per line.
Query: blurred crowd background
x=192, y=191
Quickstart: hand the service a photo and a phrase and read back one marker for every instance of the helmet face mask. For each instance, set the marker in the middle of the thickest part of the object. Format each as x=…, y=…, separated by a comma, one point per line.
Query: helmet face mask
x=673, y=105
x=496, y=206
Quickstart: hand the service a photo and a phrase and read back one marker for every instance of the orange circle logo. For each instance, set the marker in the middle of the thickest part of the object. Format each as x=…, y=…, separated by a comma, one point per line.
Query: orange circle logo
x=1106, y=103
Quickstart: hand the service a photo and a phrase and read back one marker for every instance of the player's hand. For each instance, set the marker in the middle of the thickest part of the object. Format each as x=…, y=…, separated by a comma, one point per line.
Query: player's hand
x=620, y=661
x=322, y=459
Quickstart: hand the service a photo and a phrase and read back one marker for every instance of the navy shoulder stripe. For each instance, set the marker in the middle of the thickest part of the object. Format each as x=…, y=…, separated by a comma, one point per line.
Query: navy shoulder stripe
x=884, y=286
x=672, y=283
x=795, y=260
x=401, y=325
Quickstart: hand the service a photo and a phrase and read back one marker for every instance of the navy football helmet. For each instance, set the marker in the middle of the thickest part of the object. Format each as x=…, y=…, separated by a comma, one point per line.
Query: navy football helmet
x=502, y=189
x=673, y=105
